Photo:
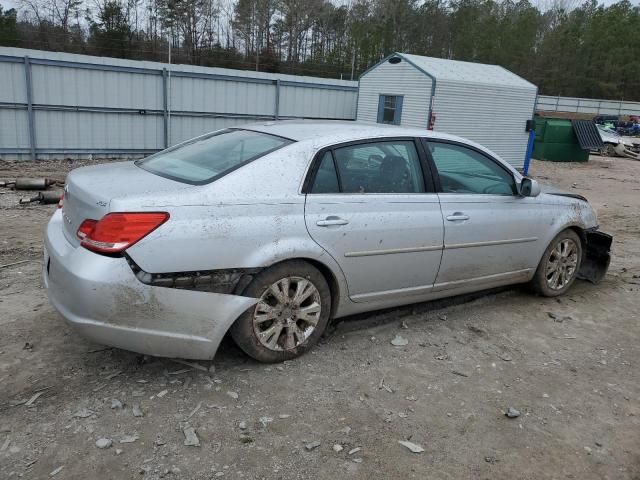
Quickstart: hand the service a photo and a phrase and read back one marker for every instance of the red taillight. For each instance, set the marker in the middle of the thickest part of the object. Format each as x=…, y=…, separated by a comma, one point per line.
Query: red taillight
x=86, y=228
x=61, y=201
x=116, y=232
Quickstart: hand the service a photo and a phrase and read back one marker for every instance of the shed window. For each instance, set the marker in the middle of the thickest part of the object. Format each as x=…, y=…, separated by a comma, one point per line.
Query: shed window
x=390, y=109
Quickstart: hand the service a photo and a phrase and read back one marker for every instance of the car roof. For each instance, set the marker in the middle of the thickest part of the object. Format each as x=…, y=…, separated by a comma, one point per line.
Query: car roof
x=330, y=132
x=301, y=130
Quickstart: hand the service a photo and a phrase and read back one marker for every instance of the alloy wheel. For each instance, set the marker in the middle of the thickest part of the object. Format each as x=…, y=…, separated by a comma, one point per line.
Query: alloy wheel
x=287, y=313
x=562, y=263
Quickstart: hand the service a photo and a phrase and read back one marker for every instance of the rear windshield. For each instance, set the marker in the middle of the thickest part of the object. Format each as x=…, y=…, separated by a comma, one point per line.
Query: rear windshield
x=206, y=158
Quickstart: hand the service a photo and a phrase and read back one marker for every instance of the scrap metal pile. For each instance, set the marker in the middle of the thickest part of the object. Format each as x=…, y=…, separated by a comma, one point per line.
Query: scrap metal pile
x=43, y=196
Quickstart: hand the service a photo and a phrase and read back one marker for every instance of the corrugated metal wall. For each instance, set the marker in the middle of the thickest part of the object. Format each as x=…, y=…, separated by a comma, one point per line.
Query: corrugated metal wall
x=495, y=117
x=80, y=105
x=396, y=79
x=587, y=105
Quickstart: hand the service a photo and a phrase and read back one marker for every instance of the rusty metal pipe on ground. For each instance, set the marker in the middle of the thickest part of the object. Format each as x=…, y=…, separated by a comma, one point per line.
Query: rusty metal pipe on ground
x=44, y=198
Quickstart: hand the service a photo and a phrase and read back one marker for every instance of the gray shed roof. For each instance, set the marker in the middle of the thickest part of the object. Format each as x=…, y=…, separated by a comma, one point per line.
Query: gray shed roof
x=467, y=72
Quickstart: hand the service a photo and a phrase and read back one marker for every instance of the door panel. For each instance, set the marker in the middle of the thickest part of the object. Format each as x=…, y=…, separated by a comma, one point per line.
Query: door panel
x=368, y=208
x=490, y=231
x=502, y=235
x=391, y=242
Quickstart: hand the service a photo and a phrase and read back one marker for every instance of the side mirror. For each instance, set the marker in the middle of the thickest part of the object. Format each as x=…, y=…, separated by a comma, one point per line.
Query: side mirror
x=529, y=187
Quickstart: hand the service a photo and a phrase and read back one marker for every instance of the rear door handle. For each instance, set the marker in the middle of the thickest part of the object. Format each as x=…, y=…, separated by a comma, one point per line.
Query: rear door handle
x=457, y=217
x=332, y=220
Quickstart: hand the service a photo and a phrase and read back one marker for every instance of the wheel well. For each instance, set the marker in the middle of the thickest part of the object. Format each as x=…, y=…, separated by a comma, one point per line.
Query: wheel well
x=583, y=238
x=328, y=276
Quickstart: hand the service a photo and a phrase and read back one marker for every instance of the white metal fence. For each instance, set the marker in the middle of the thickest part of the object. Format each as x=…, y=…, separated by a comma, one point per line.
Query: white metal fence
x=587, y=105
x=55, y=105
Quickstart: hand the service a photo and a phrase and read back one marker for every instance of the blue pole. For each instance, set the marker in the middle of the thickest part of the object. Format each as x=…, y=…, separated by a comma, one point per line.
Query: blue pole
x=527, y=158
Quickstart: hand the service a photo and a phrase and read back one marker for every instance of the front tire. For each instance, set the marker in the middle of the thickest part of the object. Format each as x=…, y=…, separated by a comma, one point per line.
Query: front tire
x=294, y=304
x=559, y=266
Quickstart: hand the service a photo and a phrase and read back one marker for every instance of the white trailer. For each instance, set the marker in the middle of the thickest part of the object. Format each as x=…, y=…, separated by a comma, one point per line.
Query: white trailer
x=485, y=103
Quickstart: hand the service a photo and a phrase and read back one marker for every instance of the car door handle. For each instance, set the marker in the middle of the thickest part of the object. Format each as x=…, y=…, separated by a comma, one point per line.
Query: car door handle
x=329, y=221
x=457, y=216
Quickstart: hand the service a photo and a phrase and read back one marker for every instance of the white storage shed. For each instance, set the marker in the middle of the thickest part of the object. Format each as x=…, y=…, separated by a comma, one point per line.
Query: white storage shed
x=485, y=103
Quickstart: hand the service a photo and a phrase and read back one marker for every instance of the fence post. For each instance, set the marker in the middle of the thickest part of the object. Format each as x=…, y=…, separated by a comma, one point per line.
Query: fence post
x=165, y=111
x=557, y=103
x=276, y=113
x=30, y=115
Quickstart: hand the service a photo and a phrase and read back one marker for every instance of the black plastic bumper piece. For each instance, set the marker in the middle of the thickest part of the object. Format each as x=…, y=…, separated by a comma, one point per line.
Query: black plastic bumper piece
x=597, y=256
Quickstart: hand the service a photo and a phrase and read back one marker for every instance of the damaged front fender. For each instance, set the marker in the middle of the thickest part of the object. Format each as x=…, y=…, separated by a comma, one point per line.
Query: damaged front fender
x=597, y=256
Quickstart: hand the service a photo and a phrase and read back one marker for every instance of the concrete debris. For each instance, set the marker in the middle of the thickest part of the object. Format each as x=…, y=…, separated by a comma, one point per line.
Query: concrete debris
x=283, y=416
x=265, y=420
x=83, y=413
x=506, y=357
x=114, y=374
x=162, y=393
x=195, y=410
x=195, y=365
x=404, y=325
x=233, y=395
x=399, y=341
x=33, y=399
x=137, y=411
x=442, y=317
x=56, y=471
x=5, y=445
x=312, y=445
x=190, y=437
x=337, y=448
x=588, y=450
x=242, y=425
x=104, y=442
x=414, y=447
x=118, y=451
x=354, y=450
x=512, y=413
x=115, y=403
x=129, y=439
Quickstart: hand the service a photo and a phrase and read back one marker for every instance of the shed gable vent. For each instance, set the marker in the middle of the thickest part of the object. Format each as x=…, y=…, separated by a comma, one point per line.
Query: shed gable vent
x=394, y=60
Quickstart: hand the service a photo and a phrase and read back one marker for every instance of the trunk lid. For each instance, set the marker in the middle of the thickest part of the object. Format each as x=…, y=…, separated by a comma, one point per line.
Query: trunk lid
x=89, y=191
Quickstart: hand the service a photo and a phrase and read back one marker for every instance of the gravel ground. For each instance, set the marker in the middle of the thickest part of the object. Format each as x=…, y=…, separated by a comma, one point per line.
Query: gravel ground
x=568, y=365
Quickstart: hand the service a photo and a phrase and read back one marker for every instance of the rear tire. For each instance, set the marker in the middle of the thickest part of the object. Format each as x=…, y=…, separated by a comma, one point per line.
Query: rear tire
x=294, y=304
x=559, y=266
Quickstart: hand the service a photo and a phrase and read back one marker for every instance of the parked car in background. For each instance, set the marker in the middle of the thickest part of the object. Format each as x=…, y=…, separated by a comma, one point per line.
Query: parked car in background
x=270, y=230
x=614, y=144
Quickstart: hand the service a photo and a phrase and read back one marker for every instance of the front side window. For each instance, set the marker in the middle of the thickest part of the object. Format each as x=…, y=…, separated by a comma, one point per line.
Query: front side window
x=390, y=109
x=206, y=158
x=463, y=170
x=380, y=167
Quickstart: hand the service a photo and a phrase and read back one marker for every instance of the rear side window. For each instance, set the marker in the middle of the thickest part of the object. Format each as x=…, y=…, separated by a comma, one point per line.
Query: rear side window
x=463, y=170
x=326, y=180
x=209, y=157
x=376, y=167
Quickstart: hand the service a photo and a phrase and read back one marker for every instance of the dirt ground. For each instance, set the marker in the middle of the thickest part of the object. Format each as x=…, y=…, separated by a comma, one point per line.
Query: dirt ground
x=569, y=365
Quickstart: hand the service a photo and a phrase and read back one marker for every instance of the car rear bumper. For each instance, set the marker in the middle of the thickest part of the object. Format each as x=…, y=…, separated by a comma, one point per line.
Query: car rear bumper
x=106, y=303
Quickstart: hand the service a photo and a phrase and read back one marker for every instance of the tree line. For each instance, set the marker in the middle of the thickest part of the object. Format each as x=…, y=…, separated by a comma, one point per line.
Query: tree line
x=586, y=50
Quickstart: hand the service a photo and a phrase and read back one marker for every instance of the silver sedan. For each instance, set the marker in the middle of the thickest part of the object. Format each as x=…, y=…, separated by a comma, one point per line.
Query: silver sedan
x=271, y=230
